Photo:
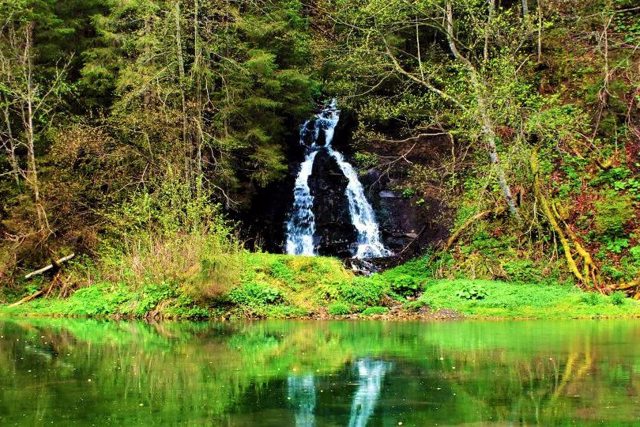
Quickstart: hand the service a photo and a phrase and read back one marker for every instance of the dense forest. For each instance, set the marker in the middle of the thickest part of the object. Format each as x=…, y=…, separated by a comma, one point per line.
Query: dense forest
x=138, y=135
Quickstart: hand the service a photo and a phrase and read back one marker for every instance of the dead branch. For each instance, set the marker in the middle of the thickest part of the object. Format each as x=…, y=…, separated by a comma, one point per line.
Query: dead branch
x=50, y=266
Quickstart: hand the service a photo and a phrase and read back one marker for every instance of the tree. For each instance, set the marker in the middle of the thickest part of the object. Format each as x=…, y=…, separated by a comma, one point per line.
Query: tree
x=213, y=101
x=28, y=100
x=382, y=36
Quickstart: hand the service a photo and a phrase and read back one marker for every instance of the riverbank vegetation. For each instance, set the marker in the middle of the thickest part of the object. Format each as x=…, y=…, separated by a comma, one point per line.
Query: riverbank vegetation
x=136, y=134
x=281, y=286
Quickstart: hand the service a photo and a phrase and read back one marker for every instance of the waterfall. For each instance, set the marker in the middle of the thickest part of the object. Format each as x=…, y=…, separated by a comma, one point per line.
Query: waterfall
x=301, y=225
x=370, y=373
x=302, y=396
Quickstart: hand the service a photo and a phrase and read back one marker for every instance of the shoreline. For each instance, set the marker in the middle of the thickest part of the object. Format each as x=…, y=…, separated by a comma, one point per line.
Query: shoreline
x=441, y=315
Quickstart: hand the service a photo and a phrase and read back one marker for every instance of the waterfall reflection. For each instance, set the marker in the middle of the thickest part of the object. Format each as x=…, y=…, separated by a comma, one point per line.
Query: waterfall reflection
x=302, y=396
x=371, y=374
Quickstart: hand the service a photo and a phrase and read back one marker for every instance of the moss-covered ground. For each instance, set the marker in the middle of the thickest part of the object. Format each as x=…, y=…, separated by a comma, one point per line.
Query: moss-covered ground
x=278, y=286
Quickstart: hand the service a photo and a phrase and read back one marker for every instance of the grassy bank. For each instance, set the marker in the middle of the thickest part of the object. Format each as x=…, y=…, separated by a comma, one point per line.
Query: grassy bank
x=279, y=286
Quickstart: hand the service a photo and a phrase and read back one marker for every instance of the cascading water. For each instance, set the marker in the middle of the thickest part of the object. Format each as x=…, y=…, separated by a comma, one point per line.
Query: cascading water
x=301, y=225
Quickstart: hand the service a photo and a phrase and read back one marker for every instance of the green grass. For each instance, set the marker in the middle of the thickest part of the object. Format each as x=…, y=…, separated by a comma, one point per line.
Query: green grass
x=281, y=286
x=116, y=300
x=520, y=300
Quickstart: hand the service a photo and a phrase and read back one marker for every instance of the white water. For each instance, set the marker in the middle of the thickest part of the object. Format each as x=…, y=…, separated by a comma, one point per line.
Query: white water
x=370, y=373
x=301, y=226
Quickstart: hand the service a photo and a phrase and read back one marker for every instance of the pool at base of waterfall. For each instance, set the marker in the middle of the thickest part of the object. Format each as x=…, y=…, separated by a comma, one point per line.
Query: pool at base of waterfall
x=313, y=373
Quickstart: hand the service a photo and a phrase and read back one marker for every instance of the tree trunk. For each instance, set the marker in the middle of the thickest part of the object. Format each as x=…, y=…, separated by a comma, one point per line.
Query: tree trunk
x=181, y=75
x=525, y=8
x=11, y=145
x=197, y=69
x=492, y=8
x=27, y=116
x=482, y=113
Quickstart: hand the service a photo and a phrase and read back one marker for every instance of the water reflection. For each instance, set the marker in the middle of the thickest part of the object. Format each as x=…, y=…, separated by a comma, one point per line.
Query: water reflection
x=83, y=372
x=370, y=373
x=302, y=396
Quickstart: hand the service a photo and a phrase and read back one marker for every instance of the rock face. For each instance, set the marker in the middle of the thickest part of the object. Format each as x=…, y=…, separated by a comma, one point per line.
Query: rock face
x=335, y=235
x=407, y=227
x=407, y=224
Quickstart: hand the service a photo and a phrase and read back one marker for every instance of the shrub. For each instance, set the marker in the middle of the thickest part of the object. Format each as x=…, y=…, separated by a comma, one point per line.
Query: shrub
x=152, y=295
x=372, y=311
x=416, y=305
x=472, y=292
x=281, y=271
x=591, y=298
x=618, y=298
x=339, y=309
x=522, y=270
x=218, y=273
x=172, y=234
x=616, y=245
x=362, y=291
x=255, y=295
x=405, y=285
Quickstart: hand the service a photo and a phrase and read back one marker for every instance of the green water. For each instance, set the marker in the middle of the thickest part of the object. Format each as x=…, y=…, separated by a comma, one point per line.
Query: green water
x=85, y=372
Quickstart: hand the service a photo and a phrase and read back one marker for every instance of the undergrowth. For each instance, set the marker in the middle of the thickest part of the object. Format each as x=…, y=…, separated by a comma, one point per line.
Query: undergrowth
x=281, y=286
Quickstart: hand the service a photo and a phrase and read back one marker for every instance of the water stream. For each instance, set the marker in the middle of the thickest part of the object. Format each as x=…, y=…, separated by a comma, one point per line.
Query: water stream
x=301, y=224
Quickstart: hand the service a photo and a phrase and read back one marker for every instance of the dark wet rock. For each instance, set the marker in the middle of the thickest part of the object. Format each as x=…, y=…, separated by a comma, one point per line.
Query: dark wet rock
x=363, y=267
x=335, y=234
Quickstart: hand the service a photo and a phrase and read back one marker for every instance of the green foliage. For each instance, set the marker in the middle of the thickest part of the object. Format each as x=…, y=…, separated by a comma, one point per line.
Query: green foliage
x=620, y=178
x=618, y=298
x=365, y=160
x=591, y=298
x=470, y=292
x=416, y=305
x=255, y=295
x=612, y=213
x=164, y=118
x=408, y=193
x=514, y=300
x=362, y=291
x=404, y=284
x=373, y=311
x=339, y=309
x=522, y=270
x=616, y=245
x=281, y=271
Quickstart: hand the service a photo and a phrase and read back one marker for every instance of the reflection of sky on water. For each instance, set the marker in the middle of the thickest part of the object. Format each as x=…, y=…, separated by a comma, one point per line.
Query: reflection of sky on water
x=301, y=393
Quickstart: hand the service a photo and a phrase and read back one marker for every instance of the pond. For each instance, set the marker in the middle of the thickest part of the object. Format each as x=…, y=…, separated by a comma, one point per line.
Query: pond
x=310, y=373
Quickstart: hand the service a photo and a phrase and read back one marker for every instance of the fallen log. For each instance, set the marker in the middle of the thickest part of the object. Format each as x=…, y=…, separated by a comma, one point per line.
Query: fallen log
x=27, y=298
x=50, y=266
